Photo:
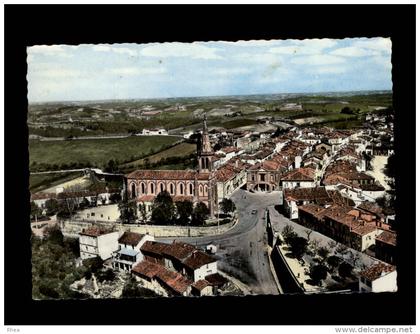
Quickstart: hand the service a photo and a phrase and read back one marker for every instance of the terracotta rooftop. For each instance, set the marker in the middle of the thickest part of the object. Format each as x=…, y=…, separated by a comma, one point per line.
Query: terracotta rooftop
x=318, y=194
x=200, y=285
x=173, y=280
x=179, y=250
x=147, y=268
x=95, y=231
x=130, y=238
x=168, y=175
x=216, y=279
x=388, y=238
x=377, y=270
x=198, y=259
x=154, y=247
x=300, y=174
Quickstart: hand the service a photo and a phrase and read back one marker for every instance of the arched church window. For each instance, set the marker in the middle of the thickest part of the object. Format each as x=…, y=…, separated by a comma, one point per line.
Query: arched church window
x=143, y=188
x=181, y=189
x=205, y=190
x=200, y=190
x=152, y=188
x=133, y=190
x=171, y=188
x=191, y=189
x=161, y=187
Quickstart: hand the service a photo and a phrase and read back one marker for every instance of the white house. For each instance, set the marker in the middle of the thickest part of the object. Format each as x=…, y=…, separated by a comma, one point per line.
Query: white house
x=300, y=177
x=95, y=242
x=199, y=265
x=381, y=277
x=154, y=132
x=128, y=252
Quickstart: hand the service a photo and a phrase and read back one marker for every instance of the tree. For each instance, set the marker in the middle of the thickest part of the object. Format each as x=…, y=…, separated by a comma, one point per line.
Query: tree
x=35, y=210
x=115, y=197
x=318, y=273
x=333, y=261
x=128, y=210
x=347, y=110
x=143, y=213
x=54, y=235
x=52, y=206
x=345, y=269
x=298, y=246
x=200, y=214
x=323, y=253
x=227, y=205
x=94, y=264
x=184, y=210
x=163, y=211
x=288, y=233
x=133, y=290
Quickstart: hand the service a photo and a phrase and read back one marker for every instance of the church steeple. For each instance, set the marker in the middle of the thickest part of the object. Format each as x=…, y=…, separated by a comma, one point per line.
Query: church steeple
x=206, y=153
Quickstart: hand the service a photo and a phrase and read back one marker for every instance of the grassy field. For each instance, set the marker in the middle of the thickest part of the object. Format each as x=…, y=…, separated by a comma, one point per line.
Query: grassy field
x=179, y=150
x=236, y=123
x=40, y=182
x=96, y=152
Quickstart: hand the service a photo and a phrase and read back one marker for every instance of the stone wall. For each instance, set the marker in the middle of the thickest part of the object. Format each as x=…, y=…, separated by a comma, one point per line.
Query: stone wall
x=73, y=228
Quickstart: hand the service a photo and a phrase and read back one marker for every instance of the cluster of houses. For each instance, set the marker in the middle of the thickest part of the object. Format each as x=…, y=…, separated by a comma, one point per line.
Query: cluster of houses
x=176, y=268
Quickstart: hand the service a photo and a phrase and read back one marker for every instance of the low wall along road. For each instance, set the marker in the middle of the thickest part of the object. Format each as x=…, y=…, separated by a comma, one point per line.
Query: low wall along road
x=72, y=228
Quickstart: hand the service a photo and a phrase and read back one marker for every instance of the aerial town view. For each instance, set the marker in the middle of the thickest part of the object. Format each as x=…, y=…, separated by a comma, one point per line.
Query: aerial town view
x=212, y=169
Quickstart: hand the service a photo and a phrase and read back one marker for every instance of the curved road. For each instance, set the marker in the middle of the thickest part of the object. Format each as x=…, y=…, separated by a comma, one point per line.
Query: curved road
x=242, y=251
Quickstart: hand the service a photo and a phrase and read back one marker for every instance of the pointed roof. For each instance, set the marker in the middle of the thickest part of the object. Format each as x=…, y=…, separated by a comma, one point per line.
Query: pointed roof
x=205, y=142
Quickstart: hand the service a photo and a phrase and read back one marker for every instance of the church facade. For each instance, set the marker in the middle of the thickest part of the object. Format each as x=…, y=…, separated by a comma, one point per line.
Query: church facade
x=194, y=185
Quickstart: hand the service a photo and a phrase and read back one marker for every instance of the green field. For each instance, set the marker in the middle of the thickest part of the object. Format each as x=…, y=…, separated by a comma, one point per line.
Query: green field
x=236, y=123
x=95, y=152
x=180, y=150
x=40, y=182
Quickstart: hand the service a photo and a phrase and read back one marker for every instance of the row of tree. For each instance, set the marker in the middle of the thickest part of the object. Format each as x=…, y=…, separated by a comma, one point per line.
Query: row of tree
x=167, y=212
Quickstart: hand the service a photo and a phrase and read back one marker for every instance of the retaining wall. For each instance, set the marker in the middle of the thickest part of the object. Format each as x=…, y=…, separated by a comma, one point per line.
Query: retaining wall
x=73, y=228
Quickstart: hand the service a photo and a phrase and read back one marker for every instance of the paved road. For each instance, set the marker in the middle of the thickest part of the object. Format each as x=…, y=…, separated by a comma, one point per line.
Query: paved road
x=242, y=251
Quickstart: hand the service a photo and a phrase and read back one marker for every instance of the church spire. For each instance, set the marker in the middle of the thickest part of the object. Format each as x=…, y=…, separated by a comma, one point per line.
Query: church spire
x=206, y=152
x=205, y=141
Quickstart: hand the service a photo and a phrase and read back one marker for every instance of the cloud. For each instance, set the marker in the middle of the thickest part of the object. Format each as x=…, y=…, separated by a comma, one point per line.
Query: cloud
x=353, y=51
x=257, y=58
x=232, y=71
x=59, y=73
x=318, y=59
x=379, y=44
x=304, y=47
x=135, y=71
x=115, y=49
x=50, y=50
x=193, y=50
x=328, y=70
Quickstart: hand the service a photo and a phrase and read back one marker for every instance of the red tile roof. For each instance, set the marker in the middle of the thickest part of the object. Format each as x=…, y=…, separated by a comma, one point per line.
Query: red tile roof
x=216, y=279
x=198, y=259
x=168, y=175
x=154, y=247
x=146, y=268
x=201, y=284
x=179, y=250
x=130, y=238
x=388, y=238
x=377, y=270
x=95, y=231
x=300, y=174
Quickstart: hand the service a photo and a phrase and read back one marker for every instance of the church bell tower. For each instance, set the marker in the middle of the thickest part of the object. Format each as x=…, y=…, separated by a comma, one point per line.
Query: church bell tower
x=205, y=154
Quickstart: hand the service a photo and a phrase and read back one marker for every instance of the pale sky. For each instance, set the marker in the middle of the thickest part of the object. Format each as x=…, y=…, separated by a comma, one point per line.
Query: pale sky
x=160, y=70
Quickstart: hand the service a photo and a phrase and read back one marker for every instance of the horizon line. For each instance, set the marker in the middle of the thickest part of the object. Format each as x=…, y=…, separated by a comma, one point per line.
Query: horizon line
x=208, y=96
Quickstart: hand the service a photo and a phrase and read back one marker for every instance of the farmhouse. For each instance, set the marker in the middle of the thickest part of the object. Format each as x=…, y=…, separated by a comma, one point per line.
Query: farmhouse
x=95, y=242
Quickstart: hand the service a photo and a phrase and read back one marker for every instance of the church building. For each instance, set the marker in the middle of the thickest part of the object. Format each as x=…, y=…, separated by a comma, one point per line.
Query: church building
x=194, y=185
